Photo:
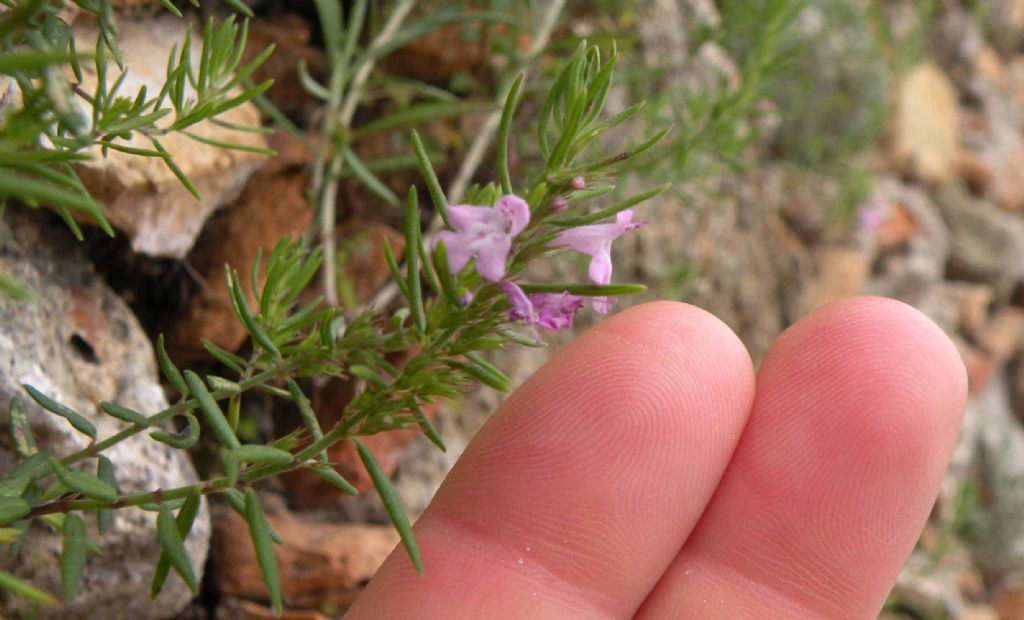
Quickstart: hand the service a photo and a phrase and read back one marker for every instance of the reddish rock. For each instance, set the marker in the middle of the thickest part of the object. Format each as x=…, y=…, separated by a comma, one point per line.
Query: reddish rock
x=1010, y=602
x=290, y=35
x=897, y=228
x=273, y=206
x=976, y=171
x=238, y=609
x=1001, y=337
x=990, y=67
x=320, y=563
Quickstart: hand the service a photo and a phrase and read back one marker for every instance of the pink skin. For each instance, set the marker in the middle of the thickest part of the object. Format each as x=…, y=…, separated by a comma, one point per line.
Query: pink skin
x=643, y=473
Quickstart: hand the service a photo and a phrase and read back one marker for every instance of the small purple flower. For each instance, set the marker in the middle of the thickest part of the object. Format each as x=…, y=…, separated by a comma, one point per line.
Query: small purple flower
x=869, y=218
x=552, y=311
x=484, y=233
x=595, y=240
x=556, y=310
x=578, y=182
x=559, y=204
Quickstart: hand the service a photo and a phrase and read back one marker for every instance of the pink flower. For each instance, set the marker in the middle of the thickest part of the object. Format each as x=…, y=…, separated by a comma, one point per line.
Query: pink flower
x=552, y=311
x=559, y=204
x=595, y=240
x=578, y=182
x=484, y=233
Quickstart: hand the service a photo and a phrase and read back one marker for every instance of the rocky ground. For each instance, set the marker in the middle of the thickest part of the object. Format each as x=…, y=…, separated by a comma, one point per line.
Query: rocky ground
x=941, y=227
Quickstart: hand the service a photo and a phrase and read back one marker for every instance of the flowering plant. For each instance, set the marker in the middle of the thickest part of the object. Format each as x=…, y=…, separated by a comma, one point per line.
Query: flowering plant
x=464, y=291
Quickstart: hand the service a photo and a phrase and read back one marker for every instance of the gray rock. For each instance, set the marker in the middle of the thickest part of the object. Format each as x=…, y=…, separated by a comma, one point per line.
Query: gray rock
x=986, y=242
x=995, y=531
x=913, y=273
x=80, y=344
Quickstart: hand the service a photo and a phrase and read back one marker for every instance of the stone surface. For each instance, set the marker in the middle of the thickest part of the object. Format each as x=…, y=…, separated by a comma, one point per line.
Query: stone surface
x=273, y=206
x=320, y=563
x=142, y=196
x=80, y=344
x=986, y=242
x=925, y=128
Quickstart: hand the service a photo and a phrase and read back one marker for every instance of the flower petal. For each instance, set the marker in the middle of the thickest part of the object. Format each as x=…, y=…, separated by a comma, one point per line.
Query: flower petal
x=515, y=212
x=459, y=252
x=491, y=257
x=600, y=270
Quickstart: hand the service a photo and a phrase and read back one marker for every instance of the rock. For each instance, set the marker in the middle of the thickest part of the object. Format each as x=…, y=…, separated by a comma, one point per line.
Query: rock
x=927, y=591
x=1001, y=337
x=995, y=168
x=974, y=300
x=273, y=206
x=992, y=442
x=839, y=272
x=925, y=129
x=986, y=242
x=990, y=67
x=896, y=229
x=979, y=612
x=238, y=609
x=979, y=366
x=1010, y=600
x=80, y=344
x=1005, y=19
x=290, y=36
x=142, y=196
x=912, y=273
x=320, y=563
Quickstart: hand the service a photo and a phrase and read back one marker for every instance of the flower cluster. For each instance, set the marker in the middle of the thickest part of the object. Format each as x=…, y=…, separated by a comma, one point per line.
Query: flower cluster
x=486, y=233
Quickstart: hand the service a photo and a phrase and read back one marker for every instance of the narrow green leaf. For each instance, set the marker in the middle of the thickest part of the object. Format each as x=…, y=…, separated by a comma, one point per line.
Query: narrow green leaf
x=309, y=418
x=498, y=382
x=588, y=290
x=444, y=275
x=367, y=374
x=367, y=178
x=173, y=167
x=241, y=306
x=229, y=146
x=329, y=474
x=220, y=384
x=396, y=273
x=412, y=256
x=12, y=509
x=230, y=360
x=167, y=366
x=167, y=4
x=124, y=414
x=263, y=544
x=81, y=482
x=21, y=430
x=183, y=440
x=421, y=113
x=430, y=177
x=262, y=455
x=14, y=288
x=392, y=503
x=76, y=419
x=211, y=411
x=17, y=587
x=172, y=547
x=309, y=83
x=72, y=556
x=427, y=427
x=612, y=210
x=105, y=472
x=186, y=517
x=504, y=129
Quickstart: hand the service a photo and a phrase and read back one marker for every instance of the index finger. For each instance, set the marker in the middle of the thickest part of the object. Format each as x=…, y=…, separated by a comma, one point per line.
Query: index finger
x=577, y=493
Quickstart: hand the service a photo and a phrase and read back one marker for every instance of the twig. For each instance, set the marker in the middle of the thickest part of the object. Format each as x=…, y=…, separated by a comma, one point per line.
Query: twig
x=329, y=192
